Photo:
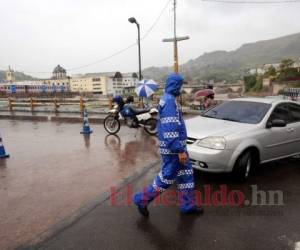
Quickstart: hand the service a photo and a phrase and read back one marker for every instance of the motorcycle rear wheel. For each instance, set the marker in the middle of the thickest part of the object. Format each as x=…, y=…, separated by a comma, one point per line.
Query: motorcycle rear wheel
x=111, y=125
x=150, y=126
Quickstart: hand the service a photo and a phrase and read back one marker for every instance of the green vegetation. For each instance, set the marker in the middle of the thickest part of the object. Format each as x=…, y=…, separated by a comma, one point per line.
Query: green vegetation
x=253, y=83
x=258, y=85
x=286, y=71
x=271, y=72
x=250, y=82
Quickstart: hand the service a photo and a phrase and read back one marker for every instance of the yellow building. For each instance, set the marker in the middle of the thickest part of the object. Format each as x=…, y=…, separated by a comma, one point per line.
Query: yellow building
x=95, y=83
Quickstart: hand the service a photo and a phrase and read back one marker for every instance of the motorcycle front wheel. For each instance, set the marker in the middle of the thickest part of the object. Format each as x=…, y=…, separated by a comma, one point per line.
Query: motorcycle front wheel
x=150, y=126
x=112, y=125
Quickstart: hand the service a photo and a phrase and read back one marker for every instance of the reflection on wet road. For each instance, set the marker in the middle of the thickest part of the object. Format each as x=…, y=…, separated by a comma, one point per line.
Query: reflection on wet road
x=53, y=170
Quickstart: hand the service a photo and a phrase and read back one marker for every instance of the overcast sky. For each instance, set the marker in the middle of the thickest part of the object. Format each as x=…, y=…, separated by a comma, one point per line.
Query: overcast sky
x=36, y=35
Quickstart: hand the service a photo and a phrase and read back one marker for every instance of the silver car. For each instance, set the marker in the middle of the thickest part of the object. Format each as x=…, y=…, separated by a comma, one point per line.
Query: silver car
x=237, y=135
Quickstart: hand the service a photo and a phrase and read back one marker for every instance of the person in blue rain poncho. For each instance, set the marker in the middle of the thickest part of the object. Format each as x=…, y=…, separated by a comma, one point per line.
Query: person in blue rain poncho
x=176, y=166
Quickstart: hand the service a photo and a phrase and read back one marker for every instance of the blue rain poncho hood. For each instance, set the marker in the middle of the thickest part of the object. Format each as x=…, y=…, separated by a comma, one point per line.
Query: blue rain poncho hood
x=173, y=84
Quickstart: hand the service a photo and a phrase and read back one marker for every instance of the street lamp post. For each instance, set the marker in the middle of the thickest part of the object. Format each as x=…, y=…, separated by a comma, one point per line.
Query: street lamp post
x=133, y=20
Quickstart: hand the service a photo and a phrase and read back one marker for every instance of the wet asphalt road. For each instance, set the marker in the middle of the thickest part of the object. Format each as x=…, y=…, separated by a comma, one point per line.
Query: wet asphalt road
x=221, y=227
x=54, y=170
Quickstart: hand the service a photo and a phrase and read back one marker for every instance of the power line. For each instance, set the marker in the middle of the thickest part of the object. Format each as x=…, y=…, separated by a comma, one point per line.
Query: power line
x=252, y=2
x=117, y=52
x=156, y=21
x=128, y=47
x=103, y=59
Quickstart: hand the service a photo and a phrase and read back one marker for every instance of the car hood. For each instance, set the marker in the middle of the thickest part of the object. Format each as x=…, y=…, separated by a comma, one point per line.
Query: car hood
x=201, y=127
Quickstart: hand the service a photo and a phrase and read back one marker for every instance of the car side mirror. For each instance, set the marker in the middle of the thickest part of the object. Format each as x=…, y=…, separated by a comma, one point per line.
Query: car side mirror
x=276, y=123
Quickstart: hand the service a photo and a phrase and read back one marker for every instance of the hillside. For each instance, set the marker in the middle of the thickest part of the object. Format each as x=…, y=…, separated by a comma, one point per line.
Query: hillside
x=232, y=65
x=18, y=75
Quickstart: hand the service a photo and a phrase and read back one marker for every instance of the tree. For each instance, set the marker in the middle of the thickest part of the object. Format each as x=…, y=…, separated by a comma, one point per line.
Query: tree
x=270, y=72
x=258, y=85
x=286, y=64
x=286, y=70
x=250, y=82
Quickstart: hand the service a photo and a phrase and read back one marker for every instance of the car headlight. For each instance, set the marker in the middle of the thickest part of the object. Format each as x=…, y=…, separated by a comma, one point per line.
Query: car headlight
x=213, y=142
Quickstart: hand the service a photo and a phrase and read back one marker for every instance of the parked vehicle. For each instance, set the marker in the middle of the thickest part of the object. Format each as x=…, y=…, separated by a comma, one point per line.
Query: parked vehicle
x=236, y=136
x=133, y=118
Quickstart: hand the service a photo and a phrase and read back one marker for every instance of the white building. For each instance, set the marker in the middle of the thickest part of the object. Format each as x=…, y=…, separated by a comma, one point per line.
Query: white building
x=276, y=66
x=119, y=84
x=59, y=82
x=258, y=71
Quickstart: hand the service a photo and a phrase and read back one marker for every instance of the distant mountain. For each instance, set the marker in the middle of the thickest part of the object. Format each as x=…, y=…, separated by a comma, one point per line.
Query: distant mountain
x=232, y=65
x=18, y=75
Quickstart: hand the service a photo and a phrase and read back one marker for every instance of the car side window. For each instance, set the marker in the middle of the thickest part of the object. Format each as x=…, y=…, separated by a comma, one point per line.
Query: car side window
x=281, y=112
x=295, y=112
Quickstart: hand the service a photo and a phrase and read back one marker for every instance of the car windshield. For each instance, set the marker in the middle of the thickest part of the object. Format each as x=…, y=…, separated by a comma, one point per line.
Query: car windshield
x=239, y=111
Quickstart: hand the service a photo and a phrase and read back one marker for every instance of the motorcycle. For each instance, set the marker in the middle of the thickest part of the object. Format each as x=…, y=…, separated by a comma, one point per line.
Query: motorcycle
x=133, y=118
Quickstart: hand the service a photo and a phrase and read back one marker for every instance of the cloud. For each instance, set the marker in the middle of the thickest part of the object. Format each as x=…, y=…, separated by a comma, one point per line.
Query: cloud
x=40, y=34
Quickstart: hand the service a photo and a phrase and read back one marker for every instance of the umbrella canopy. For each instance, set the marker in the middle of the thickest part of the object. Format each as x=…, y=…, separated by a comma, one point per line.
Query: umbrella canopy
x=204, y=92
x=146, y=88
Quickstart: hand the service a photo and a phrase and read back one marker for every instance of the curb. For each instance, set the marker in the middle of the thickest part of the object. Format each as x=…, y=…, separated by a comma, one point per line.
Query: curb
x=25, y=117
x=50, y=118
x=69, y=221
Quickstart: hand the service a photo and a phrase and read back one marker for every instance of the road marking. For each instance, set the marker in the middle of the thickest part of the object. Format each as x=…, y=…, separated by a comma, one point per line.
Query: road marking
x=297, y=245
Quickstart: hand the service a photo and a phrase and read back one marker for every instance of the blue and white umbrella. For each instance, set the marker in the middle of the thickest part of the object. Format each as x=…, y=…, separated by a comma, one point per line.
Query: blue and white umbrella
x=146, y=88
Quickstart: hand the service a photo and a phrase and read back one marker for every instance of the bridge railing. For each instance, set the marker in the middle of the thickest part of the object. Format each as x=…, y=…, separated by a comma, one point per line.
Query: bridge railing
x=54, y=104
x=97, y=105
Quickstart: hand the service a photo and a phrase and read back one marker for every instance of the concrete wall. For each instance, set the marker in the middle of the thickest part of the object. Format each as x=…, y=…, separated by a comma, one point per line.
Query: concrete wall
x=233, y=87
x=278, y=86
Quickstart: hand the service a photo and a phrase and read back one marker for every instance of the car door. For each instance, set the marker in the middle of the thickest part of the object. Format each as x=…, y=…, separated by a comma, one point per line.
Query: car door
x=277, y=141
x=295, y=127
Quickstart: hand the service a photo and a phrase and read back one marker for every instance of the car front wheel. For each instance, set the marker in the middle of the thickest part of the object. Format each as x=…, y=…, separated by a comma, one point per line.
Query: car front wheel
x=243, y=166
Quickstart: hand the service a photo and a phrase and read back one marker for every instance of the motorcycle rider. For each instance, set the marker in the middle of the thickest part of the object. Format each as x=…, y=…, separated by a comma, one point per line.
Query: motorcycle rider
x=176, y=166
x=119, y=101
x=129, y=105
x=128, y=110
x=129, y=99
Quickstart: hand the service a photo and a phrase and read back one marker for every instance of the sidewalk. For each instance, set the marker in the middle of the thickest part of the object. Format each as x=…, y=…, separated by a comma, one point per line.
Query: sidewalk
x=121, y=227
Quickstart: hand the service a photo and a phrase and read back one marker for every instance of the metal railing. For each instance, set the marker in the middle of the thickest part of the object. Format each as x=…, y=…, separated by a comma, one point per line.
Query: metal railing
x=292, y=93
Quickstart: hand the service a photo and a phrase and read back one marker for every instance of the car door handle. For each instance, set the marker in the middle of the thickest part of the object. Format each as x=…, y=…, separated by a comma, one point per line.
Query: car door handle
x=290, y=130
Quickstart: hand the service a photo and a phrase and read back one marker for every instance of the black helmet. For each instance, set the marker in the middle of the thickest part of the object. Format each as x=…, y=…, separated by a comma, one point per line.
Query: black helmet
x=130, y=99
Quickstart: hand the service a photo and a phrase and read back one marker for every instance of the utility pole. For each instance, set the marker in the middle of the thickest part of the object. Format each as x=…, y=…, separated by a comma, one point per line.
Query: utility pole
x=175, y=40
x=176, y=68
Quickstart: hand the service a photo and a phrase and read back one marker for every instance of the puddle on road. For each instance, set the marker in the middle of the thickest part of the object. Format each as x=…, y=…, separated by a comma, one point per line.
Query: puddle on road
x=53, y=170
